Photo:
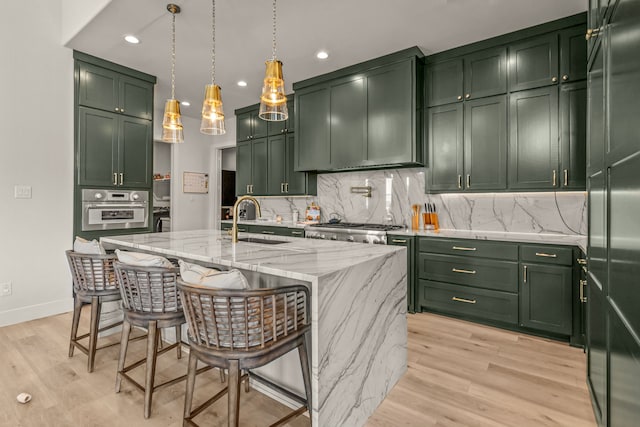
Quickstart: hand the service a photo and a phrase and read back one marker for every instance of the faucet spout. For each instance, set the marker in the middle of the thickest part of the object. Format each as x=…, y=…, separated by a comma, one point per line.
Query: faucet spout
x=234, y=228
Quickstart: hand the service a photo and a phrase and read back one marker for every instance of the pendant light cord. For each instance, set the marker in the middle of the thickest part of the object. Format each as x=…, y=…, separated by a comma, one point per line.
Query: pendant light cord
x=173, y=55
x=273, y=53
x=213, y=45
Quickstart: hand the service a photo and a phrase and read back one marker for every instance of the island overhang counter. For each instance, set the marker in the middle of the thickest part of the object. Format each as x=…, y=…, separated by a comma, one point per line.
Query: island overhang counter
x=358, y=310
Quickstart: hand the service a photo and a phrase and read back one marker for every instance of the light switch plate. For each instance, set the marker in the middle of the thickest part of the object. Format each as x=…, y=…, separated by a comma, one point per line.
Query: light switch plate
x=22, y=191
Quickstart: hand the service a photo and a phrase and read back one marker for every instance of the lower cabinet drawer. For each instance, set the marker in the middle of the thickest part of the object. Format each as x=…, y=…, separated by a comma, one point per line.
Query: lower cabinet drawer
x=482, y=273
x=467, y=301
x=546, y=254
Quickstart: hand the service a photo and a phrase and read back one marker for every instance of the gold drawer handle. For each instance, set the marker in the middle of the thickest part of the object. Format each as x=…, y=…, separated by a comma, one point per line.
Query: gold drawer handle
x=468, y=301
x=582, y=261
x=546, y=255
x=297, y=233
x=462, y=248
x=398, y=241
x=459, y=270
x=268, y=232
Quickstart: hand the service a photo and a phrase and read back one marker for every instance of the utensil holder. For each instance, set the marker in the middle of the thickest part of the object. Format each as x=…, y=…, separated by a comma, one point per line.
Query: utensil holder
x=415, y=222
x=434, y=221
x=426, y=220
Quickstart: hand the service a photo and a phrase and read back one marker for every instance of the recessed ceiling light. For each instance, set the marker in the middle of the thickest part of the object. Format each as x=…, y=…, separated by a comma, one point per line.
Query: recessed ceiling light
x=322, y=55
x=242, y=83
x=185, y=103
x=132, y=39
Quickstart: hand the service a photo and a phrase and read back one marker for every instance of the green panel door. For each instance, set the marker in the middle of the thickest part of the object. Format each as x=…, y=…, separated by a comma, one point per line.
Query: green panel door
x=445, y=148
x=244, y=130
x=444, y=82
x=276, y=128
x=624, y=371
x=485, y=143
x=97, y=145
x=410, y=244
x=597, y=347
x=291, y=121
x=545, y=298
x=391, y=113
x=534, y=62
x=260, y=128
x=97, y=87
x=533, y=139
x=276, y=174
x=595, y=110
x=296, y=181
x=259, y=167
x=135, y=155
x=348, y=123
x=485, y=73
x=597, y=236
x=573, y=135
x=243, y=167
x=312, y=130
x=135, y=97
x=573, y=54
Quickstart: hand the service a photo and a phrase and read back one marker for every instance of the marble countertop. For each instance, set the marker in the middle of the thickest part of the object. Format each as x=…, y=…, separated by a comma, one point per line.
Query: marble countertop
x=267, y=223
x=301, y=259
x=545, y=238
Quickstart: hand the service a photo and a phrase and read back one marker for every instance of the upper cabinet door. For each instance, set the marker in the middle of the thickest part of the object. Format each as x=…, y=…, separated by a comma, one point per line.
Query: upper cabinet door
x=98, y=147
x=485, y=73
x=573, y=54
x=259, y=127
x=98, y=88
x=595, y=109
x=312, y=147
x=485, y=143
x=243, y=168
x=276, y=128
x=445, y=148
x=534, y=62
x=348, y=123
x=391, y=114
x=573, y=135
x=444, y=82
x=135, y=98
x=243, y=127
x=533, y=139
x=259, y=167
x=135, y=155
x=276, y=176
x=296, y=181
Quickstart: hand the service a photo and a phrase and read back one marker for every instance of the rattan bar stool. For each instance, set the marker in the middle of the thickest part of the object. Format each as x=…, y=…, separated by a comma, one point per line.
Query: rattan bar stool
x=150, y=300
x=94, y=282
x=241, y=330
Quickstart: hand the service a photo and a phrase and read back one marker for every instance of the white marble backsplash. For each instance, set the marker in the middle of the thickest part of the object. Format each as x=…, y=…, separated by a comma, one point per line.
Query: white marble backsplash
x=395, y=190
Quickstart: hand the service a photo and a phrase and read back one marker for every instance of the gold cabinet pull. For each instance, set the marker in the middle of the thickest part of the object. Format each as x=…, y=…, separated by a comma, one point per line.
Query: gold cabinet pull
x=459, y=181
x=296, y=233
x=565, y=77
x=524, y=274
x=468, y=301
x=115, y=178
x=461, y=270
x=268, y=232
x=286, y=187
x=468, y=180
x=121, y=178
x=462, y=248
x=566, y=177
x=554, y=177
x=398, y=241
x=582, y=261
x=459, y=97
x=468, y=96
x=591, y=32
x=546, y=255
x=554, y=79
x=282, y=187
x=583, y=298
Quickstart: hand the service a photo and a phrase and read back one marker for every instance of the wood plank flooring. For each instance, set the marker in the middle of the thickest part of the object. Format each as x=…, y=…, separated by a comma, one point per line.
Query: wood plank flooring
x=460, y=374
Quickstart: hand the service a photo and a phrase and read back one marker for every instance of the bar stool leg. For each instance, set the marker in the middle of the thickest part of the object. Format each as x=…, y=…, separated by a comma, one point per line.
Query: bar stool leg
x=191, y=382
x=124, y=343
x=304, y=364
x=179, y=340
x=222, y=375
x=93, y=331
x=150, y=370
x=77, y=309
x=234, y=393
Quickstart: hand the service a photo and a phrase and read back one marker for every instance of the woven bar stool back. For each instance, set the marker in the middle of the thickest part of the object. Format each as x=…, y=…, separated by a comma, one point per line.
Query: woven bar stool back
x=94, y=282
x=150, y=300
x=244, y=329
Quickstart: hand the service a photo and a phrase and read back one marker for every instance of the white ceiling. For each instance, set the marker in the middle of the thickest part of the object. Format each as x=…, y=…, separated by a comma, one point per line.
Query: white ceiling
x=351, y=31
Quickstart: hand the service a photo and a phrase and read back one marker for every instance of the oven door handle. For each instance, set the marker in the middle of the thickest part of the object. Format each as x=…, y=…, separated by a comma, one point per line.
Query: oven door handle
x=106, y=206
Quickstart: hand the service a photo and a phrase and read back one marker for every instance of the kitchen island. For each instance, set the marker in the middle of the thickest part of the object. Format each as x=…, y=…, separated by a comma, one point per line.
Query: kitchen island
x=358, y=310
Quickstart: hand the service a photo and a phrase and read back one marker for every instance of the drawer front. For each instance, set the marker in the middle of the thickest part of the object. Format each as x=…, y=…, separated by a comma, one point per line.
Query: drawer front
x=262, y=229
x=227, y=227
x=466, y=301
x=295, y=232
x=481, y=273
x=470, y=248
x=546, y=254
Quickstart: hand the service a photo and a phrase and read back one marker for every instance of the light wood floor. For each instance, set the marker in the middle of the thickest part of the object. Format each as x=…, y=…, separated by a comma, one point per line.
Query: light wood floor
x=460, y=374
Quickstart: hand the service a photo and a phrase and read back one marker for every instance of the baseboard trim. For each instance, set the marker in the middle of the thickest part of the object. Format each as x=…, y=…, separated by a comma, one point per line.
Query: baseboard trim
x=37, y=311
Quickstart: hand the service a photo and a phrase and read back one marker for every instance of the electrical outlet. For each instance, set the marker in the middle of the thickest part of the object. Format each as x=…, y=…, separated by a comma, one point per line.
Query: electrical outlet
x=5, y=289
x=22, y=191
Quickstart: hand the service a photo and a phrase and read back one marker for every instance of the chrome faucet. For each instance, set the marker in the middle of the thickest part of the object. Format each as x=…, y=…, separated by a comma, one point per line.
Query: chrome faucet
x=234, y=228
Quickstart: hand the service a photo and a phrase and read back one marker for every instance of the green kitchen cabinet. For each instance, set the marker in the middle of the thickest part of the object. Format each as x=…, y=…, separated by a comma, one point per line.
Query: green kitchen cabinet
x=446, y=145
x=533, y=139
x=573, y=54
x=348, y=112
x=485, y=143
x=108, y=90
x=113, y=150
x=313, y=129
x=485, y=73
x=533, y=62
x=597, y=348
x=573, y=135
x=249, y=126
x=297, y=183
x=251, y=167
x=282, y=179
x=408, y=242
x=283, y=126
x=596, y=111
x=545, y=298
x=445, y=82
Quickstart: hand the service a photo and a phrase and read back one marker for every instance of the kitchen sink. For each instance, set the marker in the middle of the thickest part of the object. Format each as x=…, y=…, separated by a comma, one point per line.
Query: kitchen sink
x=259, y=240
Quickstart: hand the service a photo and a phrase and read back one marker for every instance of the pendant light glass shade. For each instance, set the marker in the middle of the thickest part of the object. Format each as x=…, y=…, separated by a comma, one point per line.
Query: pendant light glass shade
x=212, y=115
x=171, y=123
x=273, y=102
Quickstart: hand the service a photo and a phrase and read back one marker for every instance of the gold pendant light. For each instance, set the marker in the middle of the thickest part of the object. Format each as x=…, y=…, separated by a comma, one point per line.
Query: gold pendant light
x=171, y=123
x=273, y=102
x=212, y=114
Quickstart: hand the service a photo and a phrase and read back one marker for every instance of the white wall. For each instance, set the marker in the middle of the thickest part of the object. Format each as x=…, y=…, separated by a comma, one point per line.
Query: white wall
x=36, y=119
x=76, y=14
x=229, y=159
